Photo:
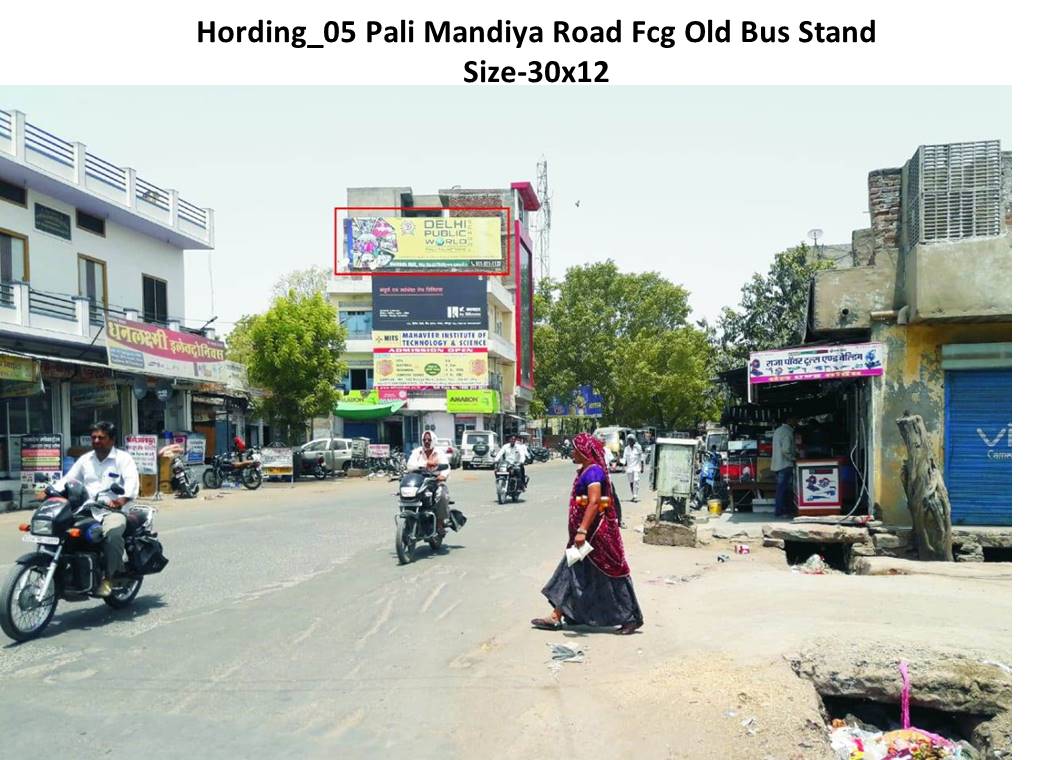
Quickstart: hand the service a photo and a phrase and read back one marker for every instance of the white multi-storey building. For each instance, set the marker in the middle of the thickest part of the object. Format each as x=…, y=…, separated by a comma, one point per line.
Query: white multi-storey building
x=80, y=237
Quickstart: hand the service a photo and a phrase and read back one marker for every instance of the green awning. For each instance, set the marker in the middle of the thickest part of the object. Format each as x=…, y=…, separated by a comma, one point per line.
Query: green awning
x=359, y=412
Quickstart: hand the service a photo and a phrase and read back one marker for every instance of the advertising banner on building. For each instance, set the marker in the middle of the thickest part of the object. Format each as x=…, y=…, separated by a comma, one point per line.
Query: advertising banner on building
x=428, y=370
x=584, y=402
x=154, y=350
x=380, y=450
x=18, y=368
x=142, y=449
x=430, y=303
x=93, y=394
x=379, y=244
x=41, y=460
x=472, y=402
x=817, y=363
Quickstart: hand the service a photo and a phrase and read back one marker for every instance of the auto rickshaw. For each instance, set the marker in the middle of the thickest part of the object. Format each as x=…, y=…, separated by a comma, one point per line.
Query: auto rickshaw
x=675, y=475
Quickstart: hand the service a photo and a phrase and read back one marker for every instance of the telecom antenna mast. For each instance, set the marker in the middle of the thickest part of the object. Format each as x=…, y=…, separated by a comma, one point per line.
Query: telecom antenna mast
x=543, y=231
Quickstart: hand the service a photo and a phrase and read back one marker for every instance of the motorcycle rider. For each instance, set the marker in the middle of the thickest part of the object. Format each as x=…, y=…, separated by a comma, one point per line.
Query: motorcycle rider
x=97, y=470
x=515, y=455
x=427, y=458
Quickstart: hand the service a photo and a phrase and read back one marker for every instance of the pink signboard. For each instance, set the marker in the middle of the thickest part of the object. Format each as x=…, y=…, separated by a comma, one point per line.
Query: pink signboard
x=817, y=363
x=160, y=351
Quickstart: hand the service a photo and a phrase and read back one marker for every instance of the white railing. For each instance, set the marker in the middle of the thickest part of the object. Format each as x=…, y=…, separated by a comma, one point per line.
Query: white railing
x=73, y=163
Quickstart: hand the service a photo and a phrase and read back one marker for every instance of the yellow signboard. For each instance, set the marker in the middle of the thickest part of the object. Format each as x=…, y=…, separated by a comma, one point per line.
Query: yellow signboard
x=395, y=244
x=18, y=368
x=479, y=401
x=436, y=369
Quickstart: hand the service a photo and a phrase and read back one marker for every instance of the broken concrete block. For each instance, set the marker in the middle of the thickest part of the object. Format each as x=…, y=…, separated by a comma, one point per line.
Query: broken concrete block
x=891, y=540
x=863, y=550
x=817, y=533
x=669, y=534
x=774, y=543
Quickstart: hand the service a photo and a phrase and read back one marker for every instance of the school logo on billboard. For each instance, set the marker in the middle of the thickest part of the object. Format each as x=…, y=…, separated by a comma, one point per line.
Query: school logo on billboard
x=389, y=244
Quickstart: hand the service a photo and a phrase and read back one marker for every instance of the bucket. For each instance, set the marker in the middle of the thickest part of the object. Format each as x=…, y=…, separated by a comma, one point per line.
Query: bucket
x=714, y=506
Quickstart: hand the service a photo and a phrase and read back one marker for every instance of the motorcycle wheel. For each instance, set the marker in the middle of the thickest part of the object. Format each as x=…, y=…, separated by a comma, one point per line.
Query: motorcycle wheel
x=252, y=479
x=122, y=597
x=210, y=479
x=405, y=542
x=516, y=495
x=194, y=490
x=320, y=473
x=500, y=489
x=20, y=618
x=435, y=543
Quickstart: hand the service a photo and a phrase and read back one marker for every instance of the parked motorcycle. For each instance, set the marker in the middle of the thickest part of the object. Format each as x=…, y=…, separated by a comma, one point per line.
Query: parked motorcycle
x=69, y=560
x=181, y=479
x=226, y=467
x=418, y=493
x=314, y=467
x=509, y=483
x=711, y=479
x=540, y=454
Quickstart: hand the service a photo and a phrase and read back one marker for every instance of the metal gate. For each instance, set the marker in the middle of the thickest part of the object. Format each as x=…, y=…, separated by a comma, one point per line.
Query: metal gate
x=978, y=446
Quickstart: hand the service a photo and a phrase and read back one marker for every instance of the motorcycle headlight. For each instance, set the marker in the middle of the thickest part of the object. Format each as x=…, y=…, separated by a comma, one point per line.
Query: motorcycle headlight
x=408, y=492
x=42, y=527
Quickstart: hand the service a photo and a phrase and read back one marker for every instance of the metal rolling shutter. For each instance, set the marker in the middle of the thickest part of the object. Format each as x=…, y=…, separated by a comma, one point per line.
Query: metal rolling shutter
x=978, y=446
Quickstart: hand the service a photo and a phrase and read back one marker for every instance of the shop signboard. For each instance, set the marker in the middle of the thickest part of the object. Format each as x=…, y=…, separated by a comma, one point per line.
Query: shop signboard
x=427, y=359
x=818, y=487
x=18, y=368
x=362, y=397
x=277, y=461
x=472, y=402
x=430, y=303
x=195, y=449
x=142, y=449
x=393, y=394
x=52, y=221
x=584, y=402
x=93, y=394
x=817, y=363
x=41, y=460
x=154, y=350
x=380, y=450
x=381, y=244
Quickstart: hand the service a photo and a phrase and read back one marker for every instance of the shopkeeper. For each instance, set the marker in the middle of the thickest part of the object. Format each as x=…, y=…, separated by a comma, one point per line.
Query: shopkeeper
x=783, y=460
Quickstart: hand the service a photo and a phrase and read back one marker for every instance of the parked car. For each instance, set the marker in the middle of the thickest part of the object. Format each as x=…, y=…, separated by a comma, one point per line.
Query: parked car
x=336, y=453
x=488, y=444
x=453, y=452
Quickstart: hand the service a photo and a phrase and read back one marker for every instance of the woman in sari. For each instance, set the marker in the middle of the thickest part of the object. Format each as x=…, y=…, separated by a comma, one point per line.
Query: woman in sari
x=596, y=591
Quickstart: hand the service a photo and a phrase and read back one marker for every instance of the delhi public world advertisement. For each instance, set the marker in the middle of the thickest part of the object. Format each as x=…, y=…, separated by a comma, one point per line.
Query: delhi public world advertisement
x=382, y=244
x=155, y=350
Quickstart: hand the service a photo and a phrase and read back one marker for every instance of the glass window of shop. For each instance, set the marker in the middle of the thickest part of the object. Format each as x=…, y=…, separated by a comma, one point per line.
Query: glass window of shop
x=151, y=415
x=23, y=416
x=90, y=403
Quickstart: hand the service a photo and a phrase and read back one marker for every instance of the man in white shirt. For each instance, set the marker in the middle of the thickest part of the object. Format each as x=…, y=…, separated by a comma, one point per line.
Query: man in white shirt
x=98, y=470
x=783, y=459
x=634, y=462
x=515, y=454
x=428, y=458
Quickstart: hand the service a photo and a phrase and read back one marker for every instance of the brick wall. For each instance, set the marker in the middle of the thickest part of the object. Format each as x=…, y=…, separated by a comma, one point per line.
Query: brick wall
x=885, y=205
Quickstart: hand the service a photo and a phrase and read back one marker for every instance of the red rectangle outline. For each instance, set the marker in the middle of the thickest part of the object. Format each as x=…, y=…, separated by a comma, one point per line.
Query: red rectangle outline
x=423, y=273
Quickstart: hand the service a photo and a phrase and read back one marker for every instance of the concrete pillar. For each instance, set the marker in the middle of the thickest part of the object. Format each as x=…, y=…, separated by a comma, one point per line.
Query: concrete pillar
x=79, y=163
x=172, y=219
x=18, y=135
x=132, y=187
x=21, y=302
x=174, y=324
x=210, y=225
x=63, y=405
x=83, y=315
x=132, y=314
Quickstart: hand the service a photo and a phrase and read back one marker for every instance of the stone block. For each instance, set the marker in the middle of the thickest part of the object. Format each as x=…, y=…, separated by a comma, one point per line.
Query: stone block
x=892, y=540
x=669, y=534
x=774, y=543
x=817, y=534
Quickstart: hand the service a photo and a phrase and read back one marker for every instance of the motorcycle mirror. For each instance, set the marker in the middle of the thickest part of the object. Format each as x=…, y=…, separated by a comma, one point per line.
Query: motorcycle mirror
x=117, y=489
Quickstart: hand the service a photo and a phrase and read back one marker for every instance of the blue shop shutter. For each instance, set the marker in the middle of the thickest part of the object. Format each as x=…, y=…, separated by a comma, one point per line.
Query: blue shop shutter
x=361, y=430
x=978, y=446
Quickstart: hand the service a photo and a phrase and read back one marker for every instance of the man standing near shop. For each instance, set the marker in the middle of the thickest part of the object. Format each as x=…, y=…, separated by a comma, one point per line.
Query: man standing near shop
x=97, y=470
x=783, y=460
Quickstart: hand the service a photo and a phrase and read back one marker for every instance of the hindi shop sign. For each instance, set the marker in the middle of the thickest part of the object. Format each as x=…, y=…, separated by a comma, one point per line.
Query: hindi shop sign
x=424, y=244
x=142, y=449
x=154, y=350
x=817, y=363
x=41, y=459
x=277, y=461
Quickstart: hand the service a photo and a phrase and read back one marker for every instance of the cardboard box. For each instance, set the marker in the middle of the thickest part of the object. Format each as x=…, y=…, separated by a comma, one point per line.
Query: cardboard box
x=764, y=472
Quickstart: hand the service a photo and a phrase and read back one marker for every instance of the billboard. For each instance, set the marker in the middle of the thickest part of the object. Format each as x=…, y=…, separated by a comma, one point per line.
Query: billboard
x=155, y=350
x=817, y=363
x=523, y=310
x=390, y=244
x=430, y=369
x=475, y=402
x=423, y=303
x=584, y=402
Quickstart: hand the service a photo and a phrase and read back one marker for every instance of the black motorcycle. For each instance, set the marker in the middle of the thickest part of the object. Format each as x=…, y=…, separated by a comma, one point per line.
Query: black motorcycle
x=69, y=560
x=226, y=467
x=509, y=482
x=314, y=466
x=181, y=479
x=416, y=521
x=540, y=454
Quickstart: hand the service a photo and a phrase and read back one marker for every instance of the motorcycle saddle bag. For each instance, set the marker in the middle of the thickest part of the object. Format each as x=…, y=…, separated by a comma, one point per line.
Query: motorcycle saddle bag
x=146, y=555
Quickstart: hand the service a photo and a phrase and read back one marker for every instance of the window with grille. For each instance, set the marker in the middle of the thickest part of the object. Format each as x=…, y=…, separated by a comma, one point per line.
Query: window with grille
x=958, y=191
x=154, y=299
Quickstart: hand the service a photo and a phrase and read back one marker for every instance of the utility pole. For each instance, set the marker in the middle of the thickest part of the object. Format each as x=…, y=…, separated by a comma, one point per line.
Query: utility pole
x=543, y=230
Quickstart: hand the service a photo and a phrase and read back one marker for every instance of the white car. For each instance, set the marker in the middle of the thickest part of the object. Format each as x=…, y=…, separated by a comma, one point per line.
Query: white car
x=488, y=438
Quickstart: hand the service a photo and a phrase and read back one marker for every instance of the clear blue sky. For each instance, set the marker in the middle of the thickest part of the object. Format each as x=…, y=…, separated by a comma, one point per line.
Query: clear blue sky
x=702, y=184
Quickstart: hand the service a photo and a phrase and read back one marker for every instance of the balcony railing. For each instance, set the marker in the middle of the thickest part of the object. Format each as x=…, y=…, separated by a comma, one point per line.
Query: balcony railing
x=73, y=163
x=6, y=295
x=52, y=305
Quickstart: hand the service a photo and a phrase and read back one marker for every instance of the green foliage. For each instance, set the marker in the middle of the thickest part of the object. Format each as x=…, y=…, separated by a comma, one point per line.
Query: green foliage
x=626, y=335
x=295, y=353
x=305, y=282
x=772, y=309
x=238, y=341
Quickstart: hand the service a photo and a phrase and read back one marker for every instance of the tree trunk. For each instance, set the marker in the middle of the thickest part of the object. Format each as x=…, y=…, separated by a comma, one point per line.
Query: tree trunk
x=926, y=493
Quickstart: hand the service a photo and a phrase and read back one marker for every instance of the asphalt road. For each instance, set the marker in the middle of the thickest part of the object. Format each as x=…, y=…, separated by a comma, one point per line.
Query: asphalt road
x=285, y=627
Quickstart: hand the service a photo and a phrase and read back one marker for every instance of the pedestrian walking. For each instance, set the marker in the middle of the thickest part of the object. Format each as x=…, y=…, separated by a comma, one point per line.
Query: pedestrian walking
x=634, y=462
x=783, y=460
x=596, y=591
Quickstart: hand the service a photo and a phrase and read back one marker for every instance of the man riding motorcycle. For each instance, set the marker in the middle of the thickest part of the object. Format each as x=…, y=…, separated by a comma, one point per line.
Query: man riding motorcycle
x=427, y=458
x=98, y=470
x=514, y=454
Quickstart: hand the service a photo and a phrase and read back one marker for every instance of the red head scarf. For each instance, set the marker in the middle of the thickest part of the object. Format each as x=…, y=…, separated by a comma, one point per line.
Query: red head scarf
x=591, y=448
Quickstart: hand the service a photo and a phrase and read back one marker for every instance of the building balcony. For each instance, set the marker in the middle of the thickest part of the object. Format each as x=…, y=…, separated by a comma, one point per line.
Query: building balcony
x=357, y=344
x=58, y=317
x=69, y=172
x=502, y=348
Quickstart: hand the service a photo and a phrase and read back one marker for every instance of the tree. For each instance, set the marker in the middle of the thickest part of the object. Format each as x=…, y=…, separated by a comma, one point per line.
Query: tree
x=304, y=282
x=772, y=309
x=295, y=353
x=238, y=348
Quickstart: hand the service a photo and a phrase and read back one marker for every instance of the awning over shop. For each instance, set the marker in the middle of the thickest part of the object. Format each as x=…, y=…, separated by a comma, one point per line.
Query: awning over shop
x=361, y=412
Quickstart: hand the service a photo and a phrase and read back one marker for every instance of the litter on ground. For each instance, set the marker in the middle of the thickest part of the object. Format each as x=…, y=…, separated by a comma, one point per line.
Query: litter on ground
x=813, y=565
x=561, y=653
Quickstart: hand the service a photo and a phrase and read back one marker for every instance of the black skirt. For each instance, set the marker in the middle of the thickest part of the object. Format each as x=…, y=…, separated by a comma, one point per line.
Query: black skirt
x=589, y=597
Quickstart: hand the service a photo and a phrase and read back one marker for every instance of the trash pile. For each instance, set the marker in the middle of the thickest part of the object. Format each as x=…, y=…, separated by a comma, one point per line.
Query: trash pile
x=862, y=742
x=813, y=565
